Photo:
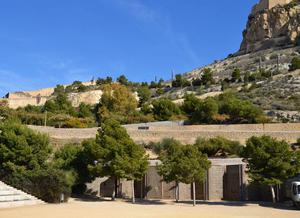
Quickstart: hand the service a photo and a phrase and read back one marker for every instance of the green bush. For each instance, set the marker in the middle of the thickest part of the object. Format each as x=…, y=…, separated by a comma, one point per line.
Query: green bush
x=180, y=81
x=240, y=111
x=24, y=163
x=236, y=75
x=295, y=64
x=164, y=109
x=21, y=148
x=46, y=184
x=218, y=146
x=224, y=109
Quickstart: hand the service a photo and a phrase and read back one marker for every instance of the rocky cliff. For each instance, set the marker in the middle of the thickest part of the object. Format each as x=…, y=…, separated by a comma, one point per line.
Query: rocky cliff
x=270, y=28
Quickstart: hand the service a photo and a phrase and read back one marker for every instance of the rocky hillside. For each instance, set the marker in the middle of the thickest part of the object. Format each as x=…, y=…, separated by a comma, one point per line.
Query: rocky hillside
x=276, y=27
x=270, y=41
x=279, y=96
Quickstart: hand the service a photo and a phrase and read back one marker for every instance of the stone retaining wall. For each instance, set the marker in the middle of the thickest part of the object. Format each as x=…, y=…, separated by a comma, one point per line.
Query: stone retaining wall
x=186, y=134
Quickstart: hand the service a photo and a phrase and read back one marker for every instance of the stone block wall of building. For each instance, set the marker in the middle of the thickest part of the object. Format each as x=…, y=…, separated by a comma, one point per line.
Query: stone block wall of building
x=153, y=186
x=215, y=181
x=186, y=134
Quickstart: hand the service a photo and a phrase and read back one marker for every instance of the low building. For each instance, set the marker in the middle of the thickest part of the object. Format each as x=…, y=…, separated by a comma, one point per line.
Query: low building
x=226, y=180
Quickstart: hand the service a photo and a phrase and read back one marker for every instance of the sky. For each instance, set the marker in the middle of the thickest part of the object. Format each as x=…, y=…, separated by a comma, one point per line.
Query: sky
x=48, y=42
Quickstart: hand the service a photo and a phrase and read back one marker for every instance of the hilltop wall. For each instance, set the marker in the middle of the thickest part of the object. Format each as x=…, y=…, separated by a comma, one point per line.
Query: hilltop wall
x=185, y=134
x=39, y=98
x=268, y=4
x=23, y=102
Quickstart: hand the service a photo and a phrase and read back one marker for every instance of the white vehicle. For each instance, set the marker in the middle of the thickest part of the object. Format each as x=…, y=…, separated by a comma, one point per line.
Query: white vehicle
x=295, y=193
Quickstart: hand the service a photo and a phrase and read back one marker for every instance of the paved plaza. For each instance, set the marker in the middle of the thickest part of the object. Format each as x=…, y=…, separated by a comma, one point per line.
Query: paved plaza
x=120, y=209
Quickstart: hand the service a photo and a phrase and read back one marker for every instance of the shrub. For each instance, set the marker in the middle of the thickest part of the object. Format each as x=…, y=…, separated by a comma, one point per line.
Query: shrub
x=239, y=111
x=45, y=184
x=84, y=110
x=164, y=109
x=207, y=77
x=144, y=94
x=218, y=146
x=21, y=149
x=122, y=80
x=205, y=111
x=117, y=101
x=180, y=81
x=236, y=75
x=24, y=157
x=295, y=64
x=74, y=122
x=107, y=80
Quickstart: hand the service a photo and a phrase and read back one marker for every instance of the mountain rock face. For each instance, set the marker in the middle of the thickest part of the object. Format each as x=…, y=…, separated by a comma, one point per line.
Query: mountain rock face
x=272, y=24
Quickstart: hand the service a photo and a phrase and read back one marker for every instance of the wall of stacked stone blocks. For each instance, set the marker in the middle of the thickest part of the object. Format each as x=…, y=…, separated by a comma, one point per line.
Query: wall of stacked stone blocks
x=186, y=134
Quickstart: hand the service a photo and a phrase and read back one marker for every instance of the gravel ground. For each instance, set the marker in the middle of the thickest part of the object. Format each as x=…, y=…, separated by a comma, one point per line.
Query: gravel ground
x=119, y=209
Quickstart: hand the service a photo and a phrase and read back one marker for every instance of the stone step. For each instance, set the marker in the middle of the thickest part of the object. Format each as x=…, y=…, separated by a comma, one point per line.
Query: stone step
x=19, y=203
x=12, y=197
x=19, y=197
x=4, y=188
x=8, y=192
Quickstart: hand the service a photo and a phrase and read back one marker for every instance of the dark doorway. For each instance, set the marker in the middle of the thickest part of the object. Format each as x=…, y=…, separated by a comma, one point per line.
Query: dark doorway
x=139, y=189
x=201, y=190
x=232, y=183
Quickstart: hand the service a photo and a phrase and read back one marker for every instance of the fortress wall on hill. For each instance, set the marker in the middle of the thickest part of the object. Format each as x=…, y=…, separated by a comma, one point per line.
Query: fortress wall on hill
x=14, y=103
x=268, y=4
x=186, y=134
x=39, y=98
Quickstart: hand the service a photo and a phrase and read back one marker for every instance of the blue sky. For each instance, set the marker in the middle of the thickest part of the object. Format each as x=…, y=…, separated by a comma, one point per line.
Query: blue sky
x=49, y=42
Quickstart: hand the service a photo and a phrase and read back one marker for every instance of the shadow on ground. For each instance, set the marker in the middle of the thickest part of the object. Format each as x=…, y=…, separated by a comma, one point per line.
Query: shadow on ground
x=280, y=206
x=148, y=202
x=89, y=198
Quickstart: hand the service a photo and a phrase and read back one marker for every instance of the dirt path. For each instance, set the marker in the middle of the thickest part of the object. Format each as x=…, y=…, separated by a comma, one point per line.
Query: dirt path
x=107, y=209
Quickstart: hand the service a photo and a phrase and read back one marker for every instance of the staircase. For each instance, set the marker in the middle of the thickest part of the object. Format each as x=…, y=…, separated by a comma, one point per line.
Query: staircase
x=11, y=197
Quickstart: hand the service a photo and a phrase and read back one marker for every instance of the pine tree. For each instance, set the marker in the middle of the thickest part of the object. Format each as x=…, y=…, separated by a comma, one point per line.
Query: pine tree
x=182, y=163
x=116, y=155
x=270, y=162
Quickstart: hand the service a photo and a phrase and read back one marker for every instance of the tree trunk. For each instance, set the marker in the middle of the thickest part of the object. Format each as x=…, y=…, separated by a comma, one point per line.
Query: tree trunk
x=177, y=192
x=194, y=194
x=278, y=193
x=133, y=194
x=273, y=194
x=113, y=197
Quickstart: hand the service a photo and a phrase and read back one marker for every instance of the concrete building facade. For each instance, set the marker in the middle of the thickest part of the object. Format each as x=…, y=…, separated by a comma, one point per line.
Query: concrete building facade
x=225, y=180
